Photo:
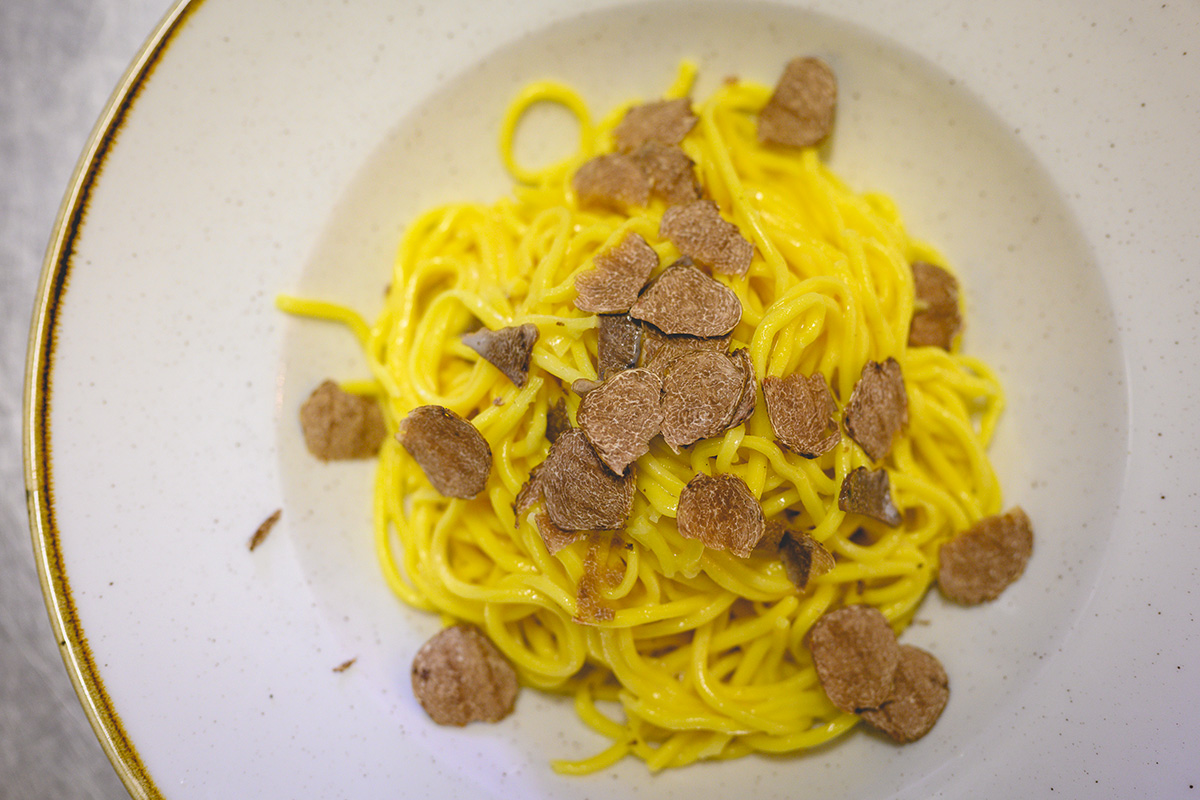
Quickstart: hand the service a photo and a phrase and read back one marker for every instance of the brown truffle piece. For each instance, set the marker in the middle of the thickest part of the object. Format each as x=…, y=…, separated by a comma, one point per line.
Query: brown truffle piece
x=869, y=492
x=856, y=656
x=980, y=563
x=801, y=409
x=338, y=425
x=685, y=300
x=804, y=558
x=581, y=493
x=801, y=110
x=260, y=533
x=671, y=173
x=557, y=420
x=554, y=537
x=936, y=318
x=621, y=416
x=508, y=349
x=919, y=694
x=453, y=455
x=702, y=234
x=618, y=275
x=721, y=512
x=700, y=394
x=878, y=408
x=459, y=676
x=620, y=343
x=612, y=181
x=659, y=350
x=664, y=121
x=749, y=398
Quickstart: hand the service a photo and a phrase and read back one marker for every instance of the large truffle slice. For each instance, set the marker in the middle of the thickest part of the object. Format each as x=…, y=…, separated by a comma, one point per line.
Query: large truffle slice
x=936, y=318
x=621, y=416
x=801, y=409
x=663, y=121
x=508, y=349
x=869, y=492
x=702, y=234
x=878, y=408
x=801, y=110
x=659, y=350
x=685, y=300
x=980, y=563
x=619, y=344
x=453, y=455
x=338, y=425
x=721, y=512
x=580, y=492
x=616, y=277
x=459, y=676
x=804, y=558
x=671, y=173
x=700, y=394
x=749, y=397
x=856, y=656
x=919, y=694
x=611, y=181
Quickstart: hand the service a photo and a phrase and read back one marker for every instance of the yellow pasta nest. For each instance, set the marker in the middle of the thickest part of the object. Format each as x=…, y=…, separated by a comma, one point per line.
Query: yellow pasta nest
x=703, y=654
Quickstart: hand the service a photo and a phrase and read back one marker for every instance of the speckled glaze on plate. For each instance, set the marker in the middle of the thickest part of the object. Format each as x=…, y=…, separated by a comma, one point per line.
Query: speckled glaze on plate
x=257, y=148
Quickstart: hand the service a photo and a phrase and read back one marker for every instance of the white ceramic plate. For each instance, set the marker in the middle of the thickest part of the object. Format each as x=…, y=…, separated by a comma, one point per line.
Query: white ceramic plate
x=264, y=147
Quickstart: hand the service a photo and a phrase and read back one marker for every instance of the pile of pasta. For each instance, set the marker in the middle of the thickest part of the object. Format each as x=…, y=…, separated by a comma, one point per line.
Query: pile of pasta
x=699, y=653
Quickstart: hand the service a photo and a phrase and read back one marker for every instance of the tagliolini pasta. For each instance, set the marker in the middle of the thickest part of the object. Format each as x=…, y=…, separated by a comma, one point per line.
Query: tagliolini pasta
x=674, y=651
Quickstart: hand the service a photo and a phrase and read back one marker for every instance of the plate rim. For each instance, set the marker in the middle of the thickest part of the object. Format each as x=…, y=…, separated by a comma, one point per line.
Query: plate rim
x=53, y=283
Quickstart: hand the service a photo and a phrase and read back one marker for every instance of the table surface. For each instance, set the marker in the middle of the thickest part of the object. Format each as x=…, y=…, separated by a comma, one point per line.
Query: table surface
x=59, y=62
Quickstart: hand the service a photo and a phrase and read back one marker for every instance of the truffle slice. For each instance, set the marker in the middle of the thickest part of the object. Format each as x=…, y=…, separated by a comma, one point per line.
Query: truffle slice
x=554, y=537
x=664, y=121
x=671, y=173
x=685, y=300
x=620, y=343
x=621, y=416
x=804, y=558
x=459, y=676
x=918, y=697
x=582, y=386
x=749, y=398
x=980, y=563
x=618, y=274
x=801, y=110
x=702, y=234
x=557, y=420
x=700, y=394
x=869, y=492
x=878, y=408
x=581, y=493
x=453, y=455
x=936, y=318
x=508, y=349
x=801, y=410
x=856, y=656
x=612, y=181
x=338, y=425
x=659, y=350
x=721, y=512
